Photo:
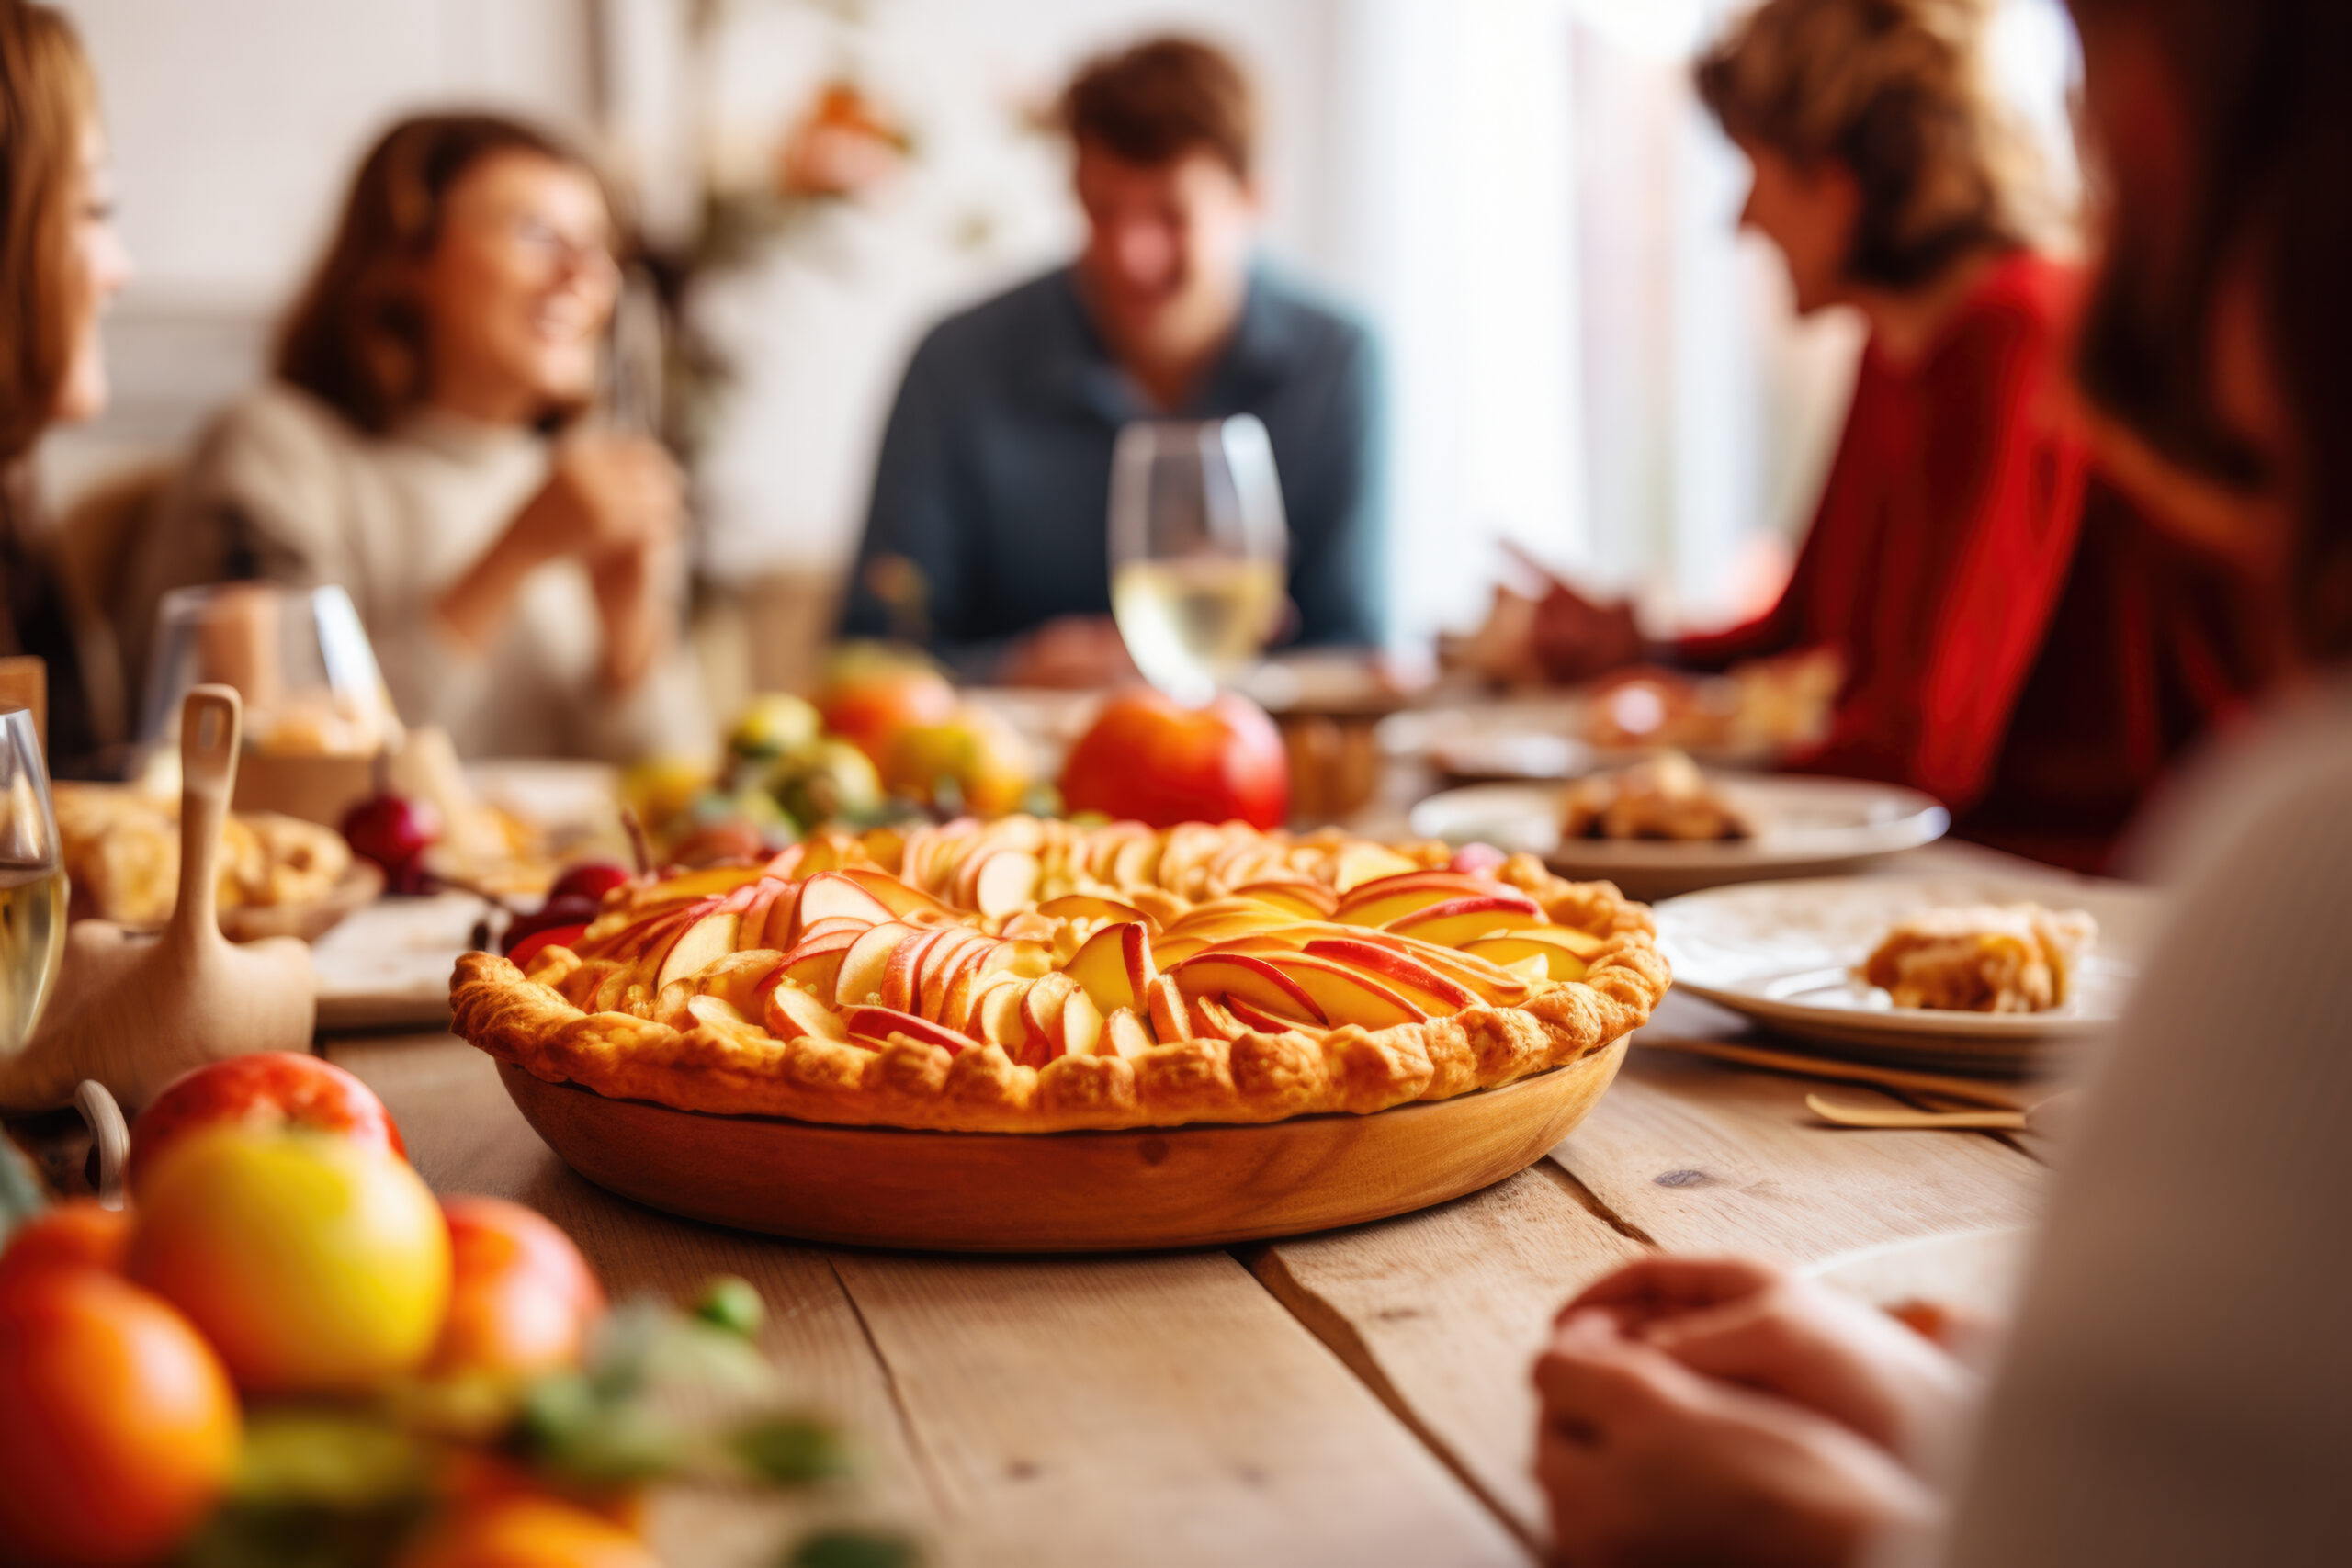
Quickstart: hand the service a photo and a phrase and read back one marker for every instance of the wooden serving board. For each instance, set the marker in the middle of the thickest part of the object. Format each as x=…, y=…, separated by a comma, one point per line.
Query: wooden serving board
x=1147, y=1188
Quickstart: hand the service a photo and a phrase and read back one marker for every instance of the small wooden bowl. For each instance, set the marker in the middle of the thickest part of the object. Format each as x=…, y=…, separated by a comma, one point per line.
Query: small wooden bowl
x=1151, y=1187
x=358, y=887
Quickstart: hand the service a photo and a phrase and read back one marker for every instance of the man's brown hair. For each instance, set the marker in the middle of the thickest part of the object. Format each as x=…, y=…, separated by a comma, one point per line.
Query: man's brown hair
x=49, y=101
x=1162, y=99
x=358, y=338
x=1895, y=91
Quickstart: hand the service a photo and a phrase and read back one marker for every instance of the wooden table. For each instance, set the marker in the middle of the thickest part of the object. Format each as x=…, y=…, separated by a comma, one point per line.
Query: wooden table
x=1356, y=1398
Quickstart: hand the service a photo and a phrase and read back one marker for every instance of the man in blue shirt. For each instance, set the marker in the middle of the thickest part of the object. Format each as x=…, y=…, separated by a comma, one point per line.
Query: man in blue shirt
x=985, y=539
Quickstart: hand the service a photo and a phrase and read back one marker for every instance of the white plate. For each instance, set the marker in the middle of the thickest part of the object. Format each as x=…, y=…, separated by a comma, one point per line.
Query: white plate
x=1782, y=952
x=1805, y=827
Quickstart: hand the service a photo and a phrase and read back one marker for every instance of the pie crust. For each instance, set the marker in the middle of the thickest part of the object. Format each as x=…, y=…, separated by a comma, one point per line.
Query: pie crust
x=1253, y=987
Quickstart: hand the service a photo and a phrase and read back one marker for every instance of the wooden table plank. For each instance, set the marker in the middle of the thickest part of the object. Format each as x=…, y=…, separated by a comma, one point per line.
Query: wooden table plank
x=1701, y=1157
x=1442, y=1312
x=1131, y=1409
x=465, y=1135
x=1150, y=1410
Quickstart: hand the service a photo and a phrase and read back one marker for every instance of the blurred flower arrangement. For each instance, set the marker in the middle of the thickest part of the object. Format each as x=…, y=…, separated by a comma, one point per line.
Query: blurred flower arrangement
x=841, y=147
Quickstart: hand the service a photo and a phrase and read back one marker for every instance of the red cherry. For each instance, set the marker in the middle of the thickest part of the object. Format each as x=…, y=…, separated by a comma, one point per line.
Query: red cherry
x=394, y=831
x=590, y=880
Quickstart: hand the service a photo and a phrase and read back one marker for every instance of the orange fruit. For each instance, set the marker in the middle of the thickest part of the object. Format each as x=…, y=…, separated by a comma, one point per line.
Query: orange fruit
x=521, y=1297
x=118, y=1425
x=78, y=1234
x=528, y=1532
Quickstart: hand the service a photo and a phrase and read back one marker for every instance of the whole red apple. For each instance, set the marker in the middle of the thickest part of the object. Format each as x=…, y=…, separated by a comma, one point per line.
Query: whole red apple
x=1150, y=757
x=522, y=1299
x=394, y=831
x=267, y=1091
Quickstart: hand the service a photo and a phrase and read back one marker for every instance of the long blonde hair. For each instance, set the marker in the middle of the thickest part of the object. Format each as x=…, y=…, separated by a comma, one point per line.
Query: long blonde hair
x=49, y=99
x=1896, y=91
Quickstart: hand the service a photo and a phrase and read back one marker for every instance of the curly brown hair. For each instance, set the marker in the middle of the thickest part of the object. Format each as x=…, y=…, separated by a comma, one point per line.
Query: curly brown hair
x=1895, y=91
x=49, y=100
x=358, y=338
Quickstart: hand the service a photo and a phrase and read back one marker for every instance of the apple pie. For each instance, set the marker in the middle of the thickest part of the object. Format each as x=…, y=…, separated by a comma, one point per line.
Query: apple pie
x=1664, y=798
x=1988, y=958
x=1027, y=975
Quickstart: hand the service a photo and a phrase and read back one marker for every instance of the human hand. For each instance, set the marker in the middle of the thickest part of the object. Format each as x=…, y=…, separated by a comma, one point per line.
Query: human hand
x=1070, y=652
x=1576, y=639
x=1766, y=1329
x=605, y=493
x=1643, y=1460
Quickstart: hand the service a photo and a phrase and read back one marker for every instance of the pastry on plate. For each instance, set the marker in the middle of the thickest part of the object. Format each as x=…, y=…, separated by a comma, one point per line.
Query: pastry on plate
x=1664, y=797
x=1984, y=958
x=1027, y=975
x=122, y=855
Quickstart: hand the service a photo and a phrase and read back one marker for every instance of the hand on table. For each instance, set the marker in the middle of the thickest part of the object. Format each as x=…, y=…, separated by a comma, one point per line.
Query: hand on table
x=1070, y=652
x=1779, y=1333
x=1643, y=1460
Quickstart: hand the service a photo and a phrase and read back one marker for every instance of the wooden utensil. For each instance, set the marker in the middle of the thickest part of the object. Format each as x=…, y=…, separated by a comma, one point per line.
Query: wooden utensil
x=133, y=1011
x=2013, y=1097
x=1845, y=1113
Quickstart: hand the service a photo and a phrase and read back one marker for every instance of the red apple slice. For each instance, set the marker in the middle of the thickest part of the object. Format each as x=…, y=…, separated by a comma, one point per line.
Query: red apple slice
x=1041, y=1014
x=1114, y=966
x=1458, y=921
x=1348, y=994
x=815, y=965
x=1266, y=1021
x=1123, y=1034
x=1170, y=1019
x=1423, y=986
x=880, y=1023
x=1213, y=1019
x=905, y=902
x=958, y=951
x=1307, y=900
x=1490, y=981
x=902, y=974
x=1081, y=1026
x=1235, y=976
x=704, y=942
x=1001, y=881
x=767, y=893
x=833, y=895
x=862, y=966
x=1088, y=906
x=1002, y=1022
x=1393, y=898
x=792, y=1013
x=834, y=925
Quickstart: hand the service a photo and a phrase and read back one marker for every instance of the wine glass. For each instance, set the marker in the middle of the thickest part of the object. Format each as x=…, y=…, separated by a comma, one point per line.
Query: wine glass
x=32, y=884
x=1198, y=546
x=298, y=658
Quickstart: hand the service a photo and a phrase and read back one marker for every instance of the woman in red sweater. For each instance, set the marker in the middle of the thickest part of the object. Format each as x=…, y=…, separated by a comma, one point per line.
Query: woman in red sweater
x=2016, y=639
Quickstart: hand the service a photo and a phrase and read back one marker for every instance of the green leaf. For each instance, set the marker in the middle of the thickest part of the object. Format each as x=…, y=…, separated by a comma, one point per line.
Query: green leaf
x=791, y=1451
x=854, y=1549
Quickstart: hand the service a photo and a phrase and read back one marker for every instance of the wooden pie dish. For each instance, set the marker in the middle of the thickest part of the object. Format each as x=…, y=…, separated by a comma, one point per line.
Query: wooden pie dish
x=1202, y=1185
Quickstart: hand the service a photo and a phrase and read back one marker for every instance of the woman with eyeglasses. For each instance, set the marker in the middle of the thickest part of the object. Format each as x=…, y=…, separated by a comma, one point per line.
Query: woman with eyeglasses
x=422, y=445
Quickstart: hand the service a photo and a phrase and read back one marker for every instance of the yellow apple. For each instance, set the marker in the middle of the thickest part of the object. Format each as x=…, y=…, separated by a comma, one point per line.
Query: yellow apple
x=316, y=1265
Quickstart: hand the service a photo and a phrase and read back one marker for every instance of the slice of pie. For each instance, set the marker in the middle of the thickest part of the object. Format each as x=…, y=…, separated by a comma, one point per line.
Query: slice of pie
x=1030, y=976
x=1664, y=798
x=1984, y=958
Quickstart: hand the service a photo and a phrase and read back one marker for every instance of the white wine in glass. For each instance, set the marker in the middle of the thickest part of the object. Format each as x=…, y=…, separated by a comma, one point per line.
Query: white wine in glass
x=32, y=884
x=1198, y=549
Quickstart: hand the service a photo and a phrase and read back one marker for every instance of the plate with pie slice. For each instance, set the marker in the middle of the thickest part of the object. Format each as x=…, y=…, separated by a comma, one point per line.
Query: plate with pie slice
x=1970, y=974
x=1664, y=827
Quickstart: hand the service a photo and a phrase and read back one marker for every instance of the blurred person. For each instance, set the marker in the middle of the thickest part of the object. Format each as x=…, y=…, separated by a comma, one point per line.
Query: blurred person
x=2177, y=1388
x=987, y=534
x=2018, y=640
x=60, y=262
x=422, y=446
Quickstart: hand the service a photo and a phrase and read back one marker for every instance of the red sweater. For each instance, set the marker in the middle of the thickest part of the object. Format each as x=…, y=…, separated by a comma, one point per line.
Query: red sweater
x=1949, y=533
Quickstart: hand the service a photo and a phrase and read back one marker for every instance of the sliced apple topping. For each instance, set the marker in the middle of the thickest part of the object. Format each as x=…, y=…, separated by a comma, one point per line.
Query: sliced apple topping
x=881, y=1023
x=1115, y=966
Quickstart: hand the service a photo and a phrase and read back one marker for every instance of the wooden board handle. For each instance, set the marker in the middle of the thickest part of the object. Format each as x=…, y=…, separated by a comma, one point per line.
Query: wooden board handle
x=210, y=721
